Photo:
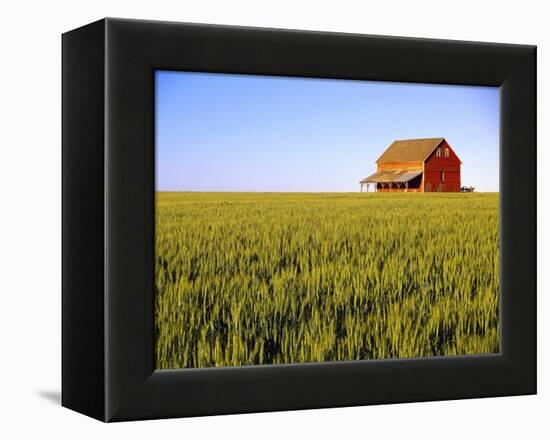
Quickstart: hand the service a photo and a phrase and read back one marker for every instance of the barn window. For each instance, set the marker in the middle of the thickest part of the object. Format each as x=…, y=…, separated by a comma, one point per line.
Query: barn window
x=443, y=176
x=438, y=152
x=446, y=152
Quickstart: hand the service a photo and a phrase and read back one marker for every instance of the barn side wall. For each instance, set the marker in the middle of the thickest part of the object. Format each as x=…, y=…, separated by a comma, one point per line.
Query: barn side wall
x=414, y=186
x=435, y=165
x=399, y=166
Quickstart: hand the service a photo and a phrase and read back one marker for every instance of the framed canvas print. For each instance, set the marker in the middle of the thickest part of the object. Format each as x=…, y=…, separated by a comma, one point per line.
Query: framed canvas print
x=262, y=219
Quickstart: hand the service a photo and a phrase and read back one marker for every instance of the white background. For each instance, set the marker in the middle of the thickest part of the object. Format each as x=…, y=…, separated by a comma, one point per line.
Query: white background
x=30, y=217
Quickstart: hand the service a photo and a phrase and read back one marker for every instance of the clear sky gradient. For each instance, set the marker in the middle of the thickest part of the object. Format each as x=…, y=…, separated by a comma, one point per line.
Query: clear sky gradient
x=223, y=132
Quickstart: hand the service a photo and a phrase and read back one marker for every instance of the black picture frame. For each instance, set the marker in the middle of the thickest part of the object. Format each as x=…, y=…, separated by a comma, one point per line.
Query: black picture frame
x=108, y=219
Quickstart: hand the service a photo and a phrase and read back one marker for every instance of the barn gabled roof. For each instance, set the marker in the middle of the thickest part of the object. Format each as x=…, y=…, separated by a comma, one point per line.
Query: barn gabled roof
x=409, y=150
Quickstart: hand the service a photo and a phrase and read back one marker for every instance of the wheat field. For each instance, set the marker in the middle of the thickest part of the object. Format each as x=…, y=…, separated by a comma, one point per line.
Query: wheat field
x=275, y=278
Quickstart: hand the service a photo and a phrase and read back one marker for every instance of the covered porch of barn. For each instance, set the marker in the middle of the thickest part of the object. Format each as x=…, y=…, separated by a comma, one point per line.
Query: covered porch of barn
x=393, y=181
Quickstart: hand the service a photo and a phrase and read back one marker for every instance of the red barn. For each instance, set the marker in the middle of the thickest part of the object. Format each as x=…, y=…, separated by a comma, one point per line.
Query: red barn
x=416, y=165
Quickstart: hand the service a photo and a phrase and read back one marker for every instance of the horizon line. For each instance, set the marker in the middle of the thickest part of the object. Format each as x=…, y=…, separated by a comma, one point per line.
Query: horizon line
x=310, y=192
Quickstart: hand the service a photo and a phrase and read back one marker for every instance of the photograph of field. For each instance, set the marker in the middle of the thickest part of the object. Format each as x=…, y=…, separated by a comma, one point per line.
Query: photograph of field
x=246, y=279
x=303, y=220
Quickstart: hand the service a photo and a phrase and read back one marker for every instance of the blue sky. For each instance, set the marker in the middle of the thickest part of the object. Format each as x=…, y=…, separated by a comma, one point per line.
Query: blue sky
x=224, y=132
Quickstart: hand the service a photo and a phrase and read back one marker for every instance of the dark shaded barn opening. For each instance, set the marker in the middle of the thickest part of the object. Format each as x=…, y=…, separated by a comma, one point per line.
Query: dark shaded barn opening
x=412, y=185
